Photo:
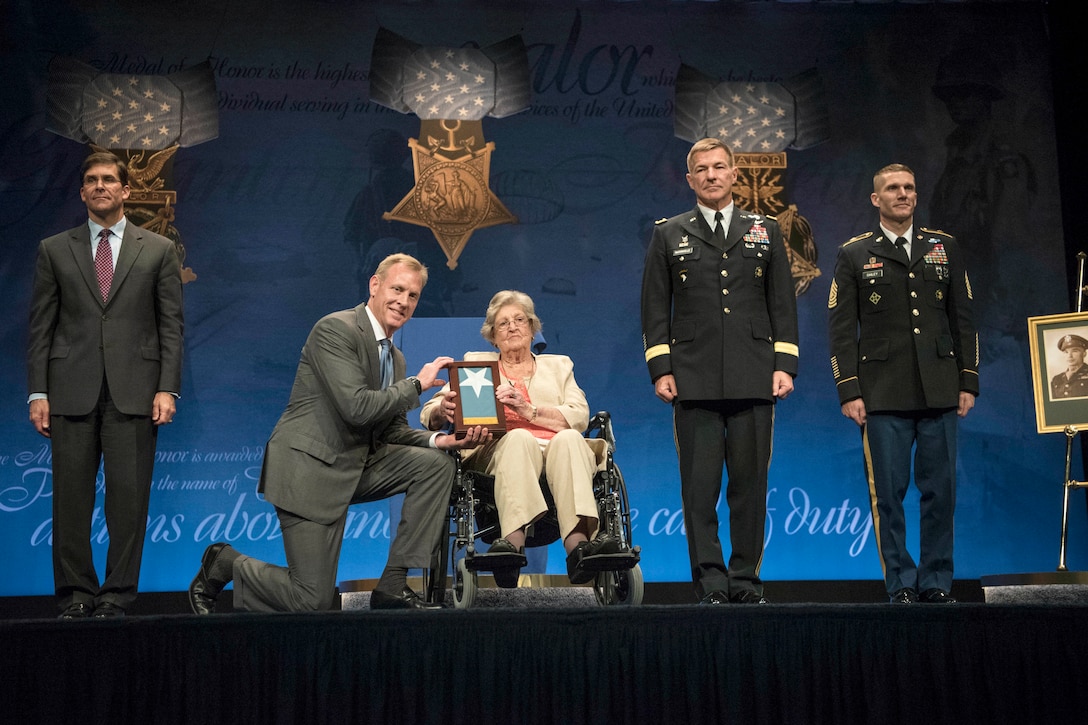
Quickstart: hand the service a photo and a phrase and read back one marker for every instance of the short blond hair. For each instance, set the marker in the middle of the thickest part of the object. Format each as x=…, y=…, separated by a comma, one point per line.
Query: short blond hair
x=889, y=169
x=400, y=258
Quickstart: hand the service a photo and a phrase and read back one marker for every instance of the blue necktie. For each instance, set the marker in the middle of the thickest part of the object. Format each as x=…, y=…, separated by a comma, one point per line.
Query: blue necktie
x=386, y=363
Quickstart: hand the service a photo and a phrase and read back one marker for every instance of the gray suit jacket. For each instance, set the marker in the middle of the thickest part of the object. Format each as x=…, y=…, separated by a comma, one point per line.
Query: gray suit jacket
x=134, y=338
x=337, y=416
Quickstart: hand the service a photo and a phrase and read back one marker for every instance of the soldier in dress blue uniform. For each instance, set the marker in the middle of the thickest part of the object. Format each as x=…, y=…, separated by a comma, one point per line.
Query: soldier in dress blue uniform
x=1073, y=383
x=719, y=327
x=904, y=353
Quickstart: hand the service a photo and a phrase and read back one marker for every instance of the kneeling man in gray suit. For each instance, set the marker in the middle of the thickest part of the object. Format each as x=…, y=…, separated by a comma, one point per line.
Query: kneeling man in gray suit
x=345, y=439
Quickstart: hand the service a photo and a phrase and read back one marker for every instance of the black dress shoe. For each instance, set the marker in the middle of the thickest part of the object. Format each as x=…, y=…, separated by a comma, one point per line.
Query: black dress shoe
x=107, y=610
x=937, y=596
x=76, y=610
x=505, y=562
x=209, y=580
x=582, y=571
x=747, y=597
x=906, y=595
x=407, y=599
x=602, y=544
x=715, y=597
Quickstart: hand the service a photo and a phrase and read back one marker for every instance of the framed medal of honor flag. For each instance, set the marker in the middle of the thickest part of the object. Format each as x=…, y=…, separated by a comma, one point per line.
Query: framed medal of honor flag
x=1059, y=370
x=474, y=383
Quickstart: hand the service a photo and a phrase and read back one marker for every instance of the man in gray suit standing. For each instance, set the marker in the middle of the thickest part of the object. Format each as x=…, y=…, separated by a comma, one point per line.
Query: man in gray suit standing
x=103, y=372
x=344, y=438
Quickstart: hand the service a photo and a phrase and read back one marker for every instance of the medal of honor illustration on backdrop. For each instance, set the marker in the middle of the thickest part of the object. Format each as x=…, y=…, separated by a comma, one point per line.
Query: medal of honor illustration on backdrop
x=759, y=120
x=451, y=90
x=144, y=120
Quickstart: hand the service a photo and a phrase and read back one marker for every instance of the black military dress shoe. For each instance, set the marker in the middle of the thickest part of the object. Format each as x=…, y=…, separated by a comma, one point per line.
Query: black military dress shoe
x=76, y=610
x=937, y=596
x=407, y=599
x=108, y=610
x=208, y=581
x=747, y=597
x=715, y=597
x=906, y=595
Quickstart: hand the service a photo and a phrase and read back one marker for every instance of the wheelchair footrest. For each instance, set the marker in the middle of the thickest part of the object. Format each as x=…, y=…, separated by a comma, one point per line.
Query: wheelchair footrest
x=620, y=561
x=488, y=561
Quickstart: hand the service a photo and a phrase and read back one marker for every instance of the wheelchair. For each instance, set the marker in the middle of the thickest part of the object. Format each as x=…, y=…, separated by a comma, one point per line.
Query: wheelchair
x=473, y=516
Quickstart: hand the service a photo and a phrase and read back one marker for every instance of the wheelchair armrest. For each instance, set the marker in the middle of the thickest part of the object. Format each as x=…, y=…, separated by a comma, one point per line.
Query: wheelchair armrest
x=601, y=425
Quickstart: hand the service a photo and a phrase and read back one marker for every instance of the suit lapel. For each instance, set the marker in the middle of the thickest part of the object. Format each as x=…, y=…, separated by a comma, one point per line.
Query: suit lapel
x=738, y=227
x=883, y=247
x=919, y=249
x=131, y=245
x=696, y=227
x=80, y=244
x=370, y=343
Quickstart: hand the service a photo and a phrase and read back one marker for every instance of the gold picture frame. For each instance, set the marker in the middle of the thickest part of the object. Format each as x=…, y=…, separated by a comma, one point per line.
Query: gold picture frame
x=1060, y=399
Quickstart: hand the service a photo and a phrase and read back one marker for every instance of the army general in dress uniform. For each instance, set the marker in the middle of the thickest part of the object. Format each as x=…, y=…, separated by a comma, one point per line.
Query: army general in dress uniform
x=1073, y=383
x=904, y=353
x=719, y=326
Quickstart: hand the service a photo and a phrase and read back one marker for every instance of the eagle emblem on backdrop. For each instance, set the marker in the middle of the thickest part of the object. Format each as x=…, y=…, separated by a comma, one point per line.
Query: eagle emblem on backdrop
x=451, y=90
x=142, y=119
x=760, y=121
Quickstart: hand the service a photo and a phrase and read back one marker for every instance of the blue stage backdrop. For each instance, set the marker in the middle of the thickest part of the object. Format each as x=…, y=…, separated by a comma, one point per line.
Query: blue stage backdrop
x=280, y=217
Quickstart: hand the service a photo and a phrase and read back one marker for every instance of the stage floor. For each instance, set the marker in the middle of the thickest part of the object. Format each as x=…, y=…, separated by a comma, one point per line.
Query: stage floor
x=681, y=663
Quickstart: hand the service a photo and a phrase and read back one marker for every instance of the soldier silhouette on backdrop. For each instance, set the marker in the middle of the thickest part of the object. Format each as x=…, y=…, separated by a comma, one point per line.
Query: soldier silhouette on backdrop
x=374, y=238
x=985, y=191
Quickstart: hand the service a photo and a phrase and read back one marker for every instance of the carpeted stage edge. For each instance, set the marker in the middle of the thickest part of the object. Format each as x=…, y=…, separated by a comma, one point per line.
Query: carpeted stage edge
x=811, y=662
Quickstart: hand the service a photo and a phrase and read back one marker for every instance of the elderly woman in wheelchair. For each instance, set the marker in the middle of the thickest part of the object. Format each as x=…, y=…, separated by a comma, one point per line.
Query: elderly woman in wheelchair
x=546, y=413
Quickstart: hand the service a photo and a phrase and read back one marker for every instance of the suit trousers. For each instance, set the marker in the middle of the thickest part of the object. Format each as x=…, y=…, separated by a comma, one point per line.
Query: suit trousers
x=308, y=582
x=125, y=446
x=738, y=434
x=888, y=439
x=517, y=460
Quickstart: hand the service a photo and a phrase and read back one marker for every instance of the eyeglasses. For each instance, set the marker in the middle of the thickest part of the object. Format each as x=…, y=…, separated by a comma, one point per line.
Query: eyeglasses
x=519, y=321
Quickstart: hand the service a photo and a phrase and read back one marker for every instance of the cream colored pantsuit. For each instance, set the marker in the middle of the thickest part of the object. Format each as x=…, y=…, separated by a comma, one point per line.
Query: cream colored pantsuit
x=517, y=460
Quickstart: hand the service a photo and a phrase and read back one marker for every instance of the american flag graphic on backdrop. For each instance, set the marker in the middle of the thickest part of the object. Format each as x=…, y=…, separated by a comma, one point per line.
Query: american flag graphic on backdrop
x=449, y=84
x=132, y=112
x=751, y=117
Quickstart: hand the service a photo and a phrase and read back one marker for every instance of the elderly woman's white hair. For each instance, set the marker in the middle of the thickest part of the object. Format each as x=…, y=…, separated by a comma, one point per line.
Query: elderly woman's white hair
x=502, y=299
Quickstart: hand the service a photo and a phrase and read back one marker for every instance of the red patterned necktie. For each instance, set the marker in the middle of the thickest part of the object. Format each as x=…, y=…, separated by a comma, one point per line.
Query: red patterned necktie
x=103, y=263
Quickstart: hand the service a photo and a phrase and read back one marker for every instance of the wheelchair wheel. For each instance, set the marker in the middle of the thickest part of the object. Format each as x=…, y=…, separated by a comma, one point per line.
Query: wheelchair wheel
x=623, y=587
x=464, y=586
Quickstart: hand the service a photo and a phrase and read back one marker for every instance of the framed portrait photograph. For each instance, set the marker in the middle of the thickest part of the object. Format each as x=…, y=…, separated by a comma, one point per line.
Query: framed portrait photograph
x=1059, y=370
x=474, y=383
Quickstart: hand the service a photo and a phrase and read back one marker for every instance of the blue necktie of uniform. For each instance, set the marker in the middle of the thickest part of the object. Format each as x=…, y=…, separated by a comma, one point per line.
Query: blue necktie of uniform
x=386, y=363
